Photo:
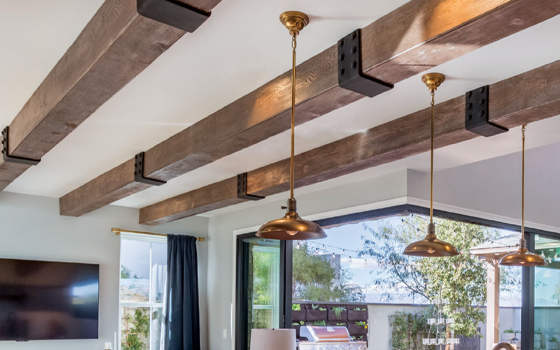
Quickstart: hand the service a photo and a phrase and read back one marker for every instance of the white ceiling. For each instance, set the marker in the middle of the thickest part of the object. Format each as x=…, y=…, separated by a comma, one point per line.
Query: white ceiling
x=222, y=61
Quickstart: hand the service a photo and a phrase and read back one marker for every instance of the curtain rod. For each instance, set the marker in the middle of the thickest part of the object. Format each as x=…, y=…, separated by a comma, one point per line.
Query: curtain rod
x=118, y=231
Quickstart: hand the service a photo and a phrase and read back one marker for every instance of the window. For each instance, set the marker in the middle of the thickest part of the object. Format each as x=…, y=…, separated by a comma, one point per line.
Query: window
x=360, y=266
x=358, y=277
x=547, y=294
x=259, y=284
x=142, y=291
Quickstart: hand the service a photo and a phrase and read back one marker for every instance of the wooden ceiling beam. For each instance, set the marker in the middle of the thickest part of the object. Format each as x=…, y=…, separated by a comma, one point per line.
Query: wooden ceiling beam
x=413, y=38
x=115, y=46
x=522, y=99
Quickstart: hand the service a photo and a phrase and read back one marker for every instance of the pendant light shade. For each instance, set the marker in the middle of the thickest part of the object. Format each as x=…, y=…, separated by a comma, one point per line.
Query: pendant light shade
x=522, y=257
x=431, y=246
x=291, y=226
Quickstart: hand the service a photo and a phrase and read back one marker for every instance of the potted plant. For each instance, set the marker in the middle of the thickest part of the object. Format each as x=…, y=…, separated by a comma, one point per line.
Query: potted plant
x=320, y=323
x=299, y=313
x=552, y=344
x=337, y=313
x=357, y=328
x=508, y=335
x=357, y=313
x=317, y=312
x=539, y=340
x=338, y=323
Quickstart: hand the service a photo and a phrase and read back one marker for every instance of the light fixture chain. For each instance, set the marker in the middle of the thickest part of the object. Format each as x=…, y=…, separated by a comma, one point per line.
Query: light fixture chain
x=432, y=92
x=294, y=45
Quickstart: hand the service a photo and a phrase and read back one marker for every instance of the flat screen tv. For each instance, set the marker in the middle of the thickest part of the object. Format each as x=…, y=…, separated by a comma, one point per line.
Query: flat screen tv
x=41, y=300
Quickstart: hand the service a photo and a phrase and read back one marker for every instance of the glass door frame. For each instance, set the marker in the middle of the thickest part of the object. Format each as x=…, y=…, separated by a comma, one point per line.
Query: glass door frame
x=242, y=287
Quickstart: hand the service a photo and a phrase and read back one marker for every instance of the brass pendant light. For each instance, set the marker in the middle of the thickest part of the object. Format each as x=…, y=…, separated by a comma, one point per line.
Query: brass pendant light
x=430, y=246
x=292, y=226
x=522, y=257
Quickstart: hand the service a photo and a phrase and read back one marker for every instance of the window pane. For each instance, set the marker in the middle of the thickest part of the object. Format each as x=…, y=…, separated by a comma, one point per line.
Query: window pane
x=135, y=271
x=547, y=294
x=261, y=268
x=135, y=328
x=359, y=271
x=157, y=319
x=159, y=271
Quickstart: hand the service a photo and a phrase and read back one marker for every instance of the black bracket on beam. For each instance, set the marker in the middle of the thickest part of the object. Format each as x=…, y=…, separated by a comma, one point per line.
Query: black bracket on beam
x=242, y=189
x=139, y=172
x=350, y=72
x=173, y=13
x=14, y=159
x=477, y=118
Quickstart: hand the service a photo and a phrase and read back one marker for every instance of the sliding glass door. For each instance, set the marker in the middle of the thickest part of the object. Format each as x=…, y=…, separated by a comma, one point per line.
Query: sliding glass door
x=259, y=286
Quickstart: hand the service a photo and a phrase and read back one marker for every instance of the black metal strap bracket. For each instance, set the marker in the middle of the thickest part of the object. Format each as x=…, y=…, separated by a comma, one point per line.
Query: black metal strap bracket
x=173, y=13
x=242, y=189
x=350, y=72
x=139, y=172
x=14, y=159
x=477, y=117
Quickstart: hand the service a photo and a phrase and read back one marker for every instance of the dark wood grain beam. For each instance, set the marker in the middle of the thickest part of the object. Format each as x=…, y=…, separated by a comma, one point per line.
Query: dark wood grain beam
x=114, y=47
x=414, y=38
x=525, y=98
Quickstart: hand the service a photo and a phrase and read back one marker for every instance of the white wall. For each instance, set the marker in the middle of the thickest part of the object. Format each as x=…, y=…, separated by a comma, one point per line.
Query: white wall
x=493, y=187
x=31, y=228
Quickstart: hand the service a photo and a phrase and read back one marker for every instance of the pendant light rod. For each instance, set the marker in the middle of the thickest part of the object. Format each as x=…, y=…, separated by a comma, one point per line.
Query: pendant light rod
x=294, y=45
x=432, y=160
x=523, y=128
x=523, y=257
x=432, y=81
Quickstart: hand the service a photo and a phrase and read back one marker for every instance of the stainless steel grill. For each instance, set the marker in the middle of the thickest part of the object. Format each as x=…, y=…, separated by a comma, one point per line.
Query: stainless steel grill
x=328, y=338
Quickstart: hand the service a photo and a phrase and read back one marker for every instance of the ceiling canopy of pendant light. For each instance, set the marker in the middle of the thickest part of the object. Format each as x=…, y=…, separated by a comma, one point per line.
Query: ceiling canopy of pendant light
x=522, y=257
x=431, y=246
x=292, y=226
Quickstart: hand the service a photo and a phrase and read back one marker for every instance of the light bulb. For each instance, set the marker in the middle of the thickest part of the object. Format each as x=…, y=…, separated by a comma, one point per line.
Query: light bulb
x=431, y=251
x=291, y=233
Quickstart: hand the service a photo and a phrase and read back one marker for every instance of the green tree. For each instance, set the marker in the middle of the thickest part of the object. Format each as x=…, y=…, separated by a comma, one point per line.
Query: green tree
x=317, y=278
x=126, y=273
x=136, y=338
x=262, y=270
x=460, y=280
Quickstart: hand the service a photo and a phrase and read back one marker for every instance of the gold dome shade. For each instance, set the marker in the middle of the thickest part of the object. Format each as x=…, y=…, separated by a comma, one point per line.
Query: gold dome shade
x=522, y=257
x=291, y=227
x=430, y=246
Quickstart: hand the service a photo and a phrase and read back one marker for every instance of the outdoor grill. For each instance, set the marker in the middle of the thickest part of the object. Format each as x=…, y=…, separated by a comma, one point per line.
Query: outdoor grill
x=328, y=338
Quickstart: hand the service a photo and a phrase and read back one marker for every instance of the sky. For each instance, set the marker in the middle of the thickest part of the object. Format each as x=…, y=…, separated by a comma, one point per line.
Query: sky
x=350, y=237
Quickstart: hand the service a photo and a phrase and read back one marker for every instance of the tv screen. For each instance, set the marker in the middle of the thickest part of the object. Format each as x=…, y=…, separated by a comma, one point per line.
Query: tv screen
x=41, y=300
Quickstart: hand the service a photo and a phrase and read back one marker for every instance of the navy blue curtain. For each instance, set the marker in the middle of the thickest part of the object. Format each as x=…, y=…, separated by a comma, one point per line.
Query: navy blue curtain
x=182, y=321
